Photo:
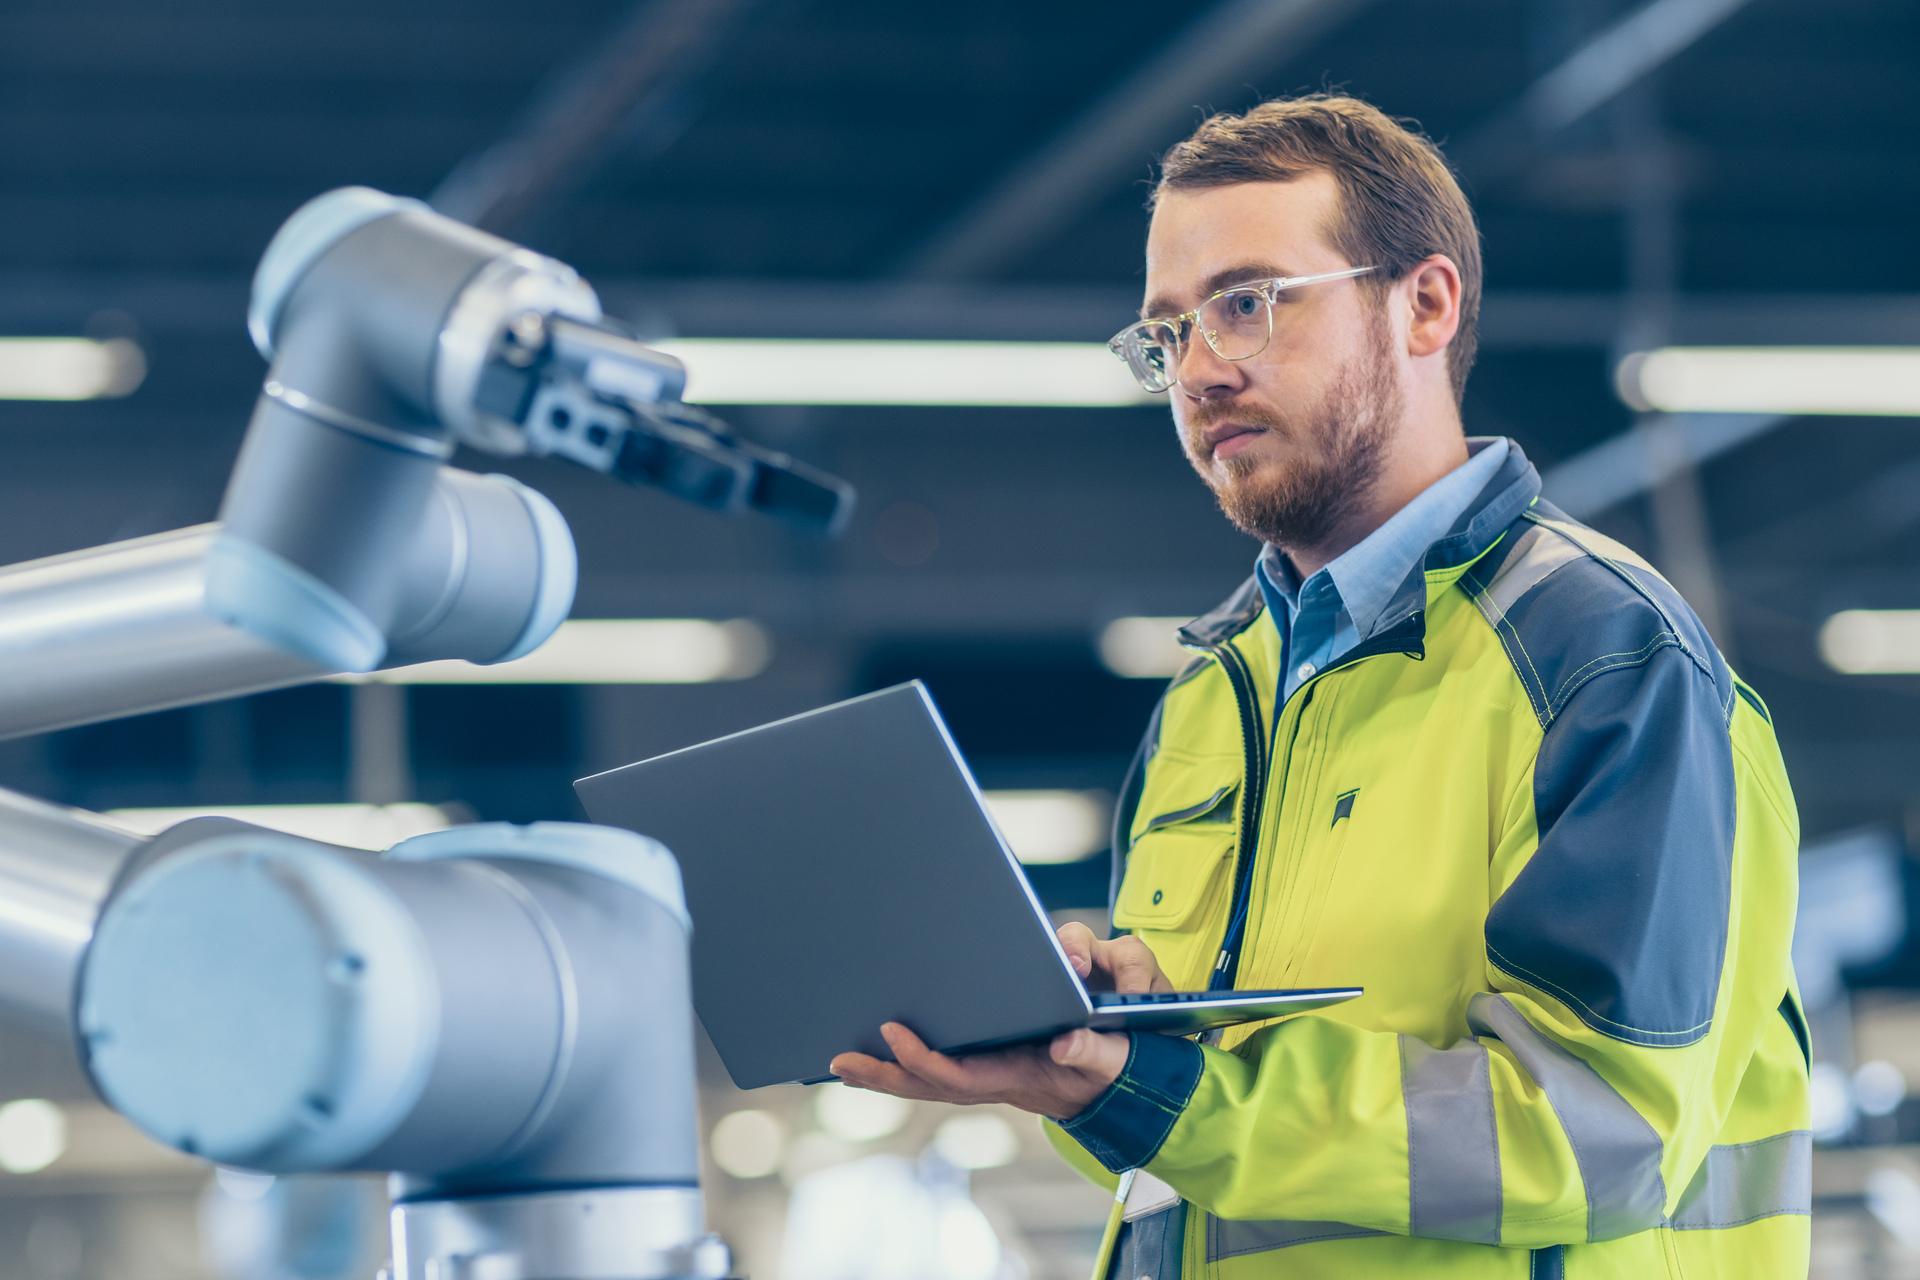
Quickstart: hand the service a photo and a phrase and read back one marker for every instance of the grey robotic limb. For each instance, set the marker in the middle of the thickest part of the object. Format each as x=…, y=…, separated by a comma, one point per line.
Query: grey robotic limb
x=498, y=1017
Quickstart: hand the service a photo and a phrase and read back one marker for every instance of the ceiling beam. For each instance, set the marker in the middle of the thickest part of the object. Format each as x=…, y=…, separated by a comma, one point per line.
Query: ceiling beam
x=1121, y=135
x=1861, y=519
x=1592, y=75
x=1646, y=456
x=214, y=306
x=1241, y=38
x=632, y=91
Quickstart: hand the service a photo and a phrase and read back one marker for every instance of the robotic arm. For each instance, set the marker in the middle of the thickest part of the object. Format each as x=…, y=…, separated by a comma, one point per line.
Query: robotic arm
x=345, y=542
x=395, y=333
x=497, y=1016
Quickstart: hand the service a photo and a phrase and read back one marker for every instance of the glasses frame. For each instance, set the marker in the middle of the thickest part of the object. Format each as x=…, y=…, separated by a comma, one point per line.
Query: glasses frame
x=1183, y=325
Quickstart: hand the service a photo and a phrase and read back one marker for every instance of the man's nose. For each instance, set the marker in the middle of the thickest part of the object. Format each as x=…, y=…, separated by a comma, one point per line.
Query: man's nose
x=1204, y=374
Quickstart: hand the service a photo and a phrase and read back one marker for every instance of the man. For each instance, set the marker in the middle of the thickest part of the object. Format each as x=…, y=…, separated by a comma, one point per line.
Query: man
x=1445, y=744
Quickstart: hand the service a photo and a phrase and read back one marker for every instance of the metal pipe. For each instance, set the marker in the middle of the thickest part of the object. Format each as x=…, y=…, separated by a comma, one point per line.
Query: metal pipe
x=120, y=630
x=56, y=867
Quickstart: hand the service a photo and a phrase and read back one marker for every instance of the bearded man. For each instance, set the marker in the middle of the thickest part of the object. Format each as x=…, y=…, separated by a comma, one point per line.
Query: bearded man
x=1445, y=744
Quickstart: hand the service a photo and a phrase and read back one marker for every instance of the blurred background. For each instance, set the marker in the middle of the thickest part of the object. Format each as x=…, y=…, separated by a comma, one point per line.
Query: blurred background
x=1651, y=176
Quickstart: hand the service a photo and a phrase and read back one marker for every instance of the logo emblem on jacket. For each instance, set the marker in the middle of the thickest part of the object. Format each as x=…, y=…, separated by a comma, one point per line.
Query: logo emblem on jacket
x=1343, y=807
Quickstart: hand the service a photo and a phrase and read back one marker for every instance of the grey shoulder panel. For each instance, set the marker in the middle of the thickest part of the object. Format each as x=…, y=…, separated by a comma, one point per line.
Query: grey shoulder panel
x=1622, y=912
x=1570, y=604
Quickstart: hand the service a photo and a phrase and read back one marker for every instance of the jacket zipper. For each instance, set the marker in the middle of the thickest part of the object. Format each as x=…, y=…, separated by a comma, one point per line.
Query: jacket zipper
x=1252, y=797
x=1405, y=638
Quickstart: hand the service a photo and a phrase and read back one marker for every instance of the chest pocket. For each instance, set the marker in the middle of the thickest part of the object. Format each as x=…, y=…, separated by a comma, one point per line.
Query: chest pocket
x=1174, y=894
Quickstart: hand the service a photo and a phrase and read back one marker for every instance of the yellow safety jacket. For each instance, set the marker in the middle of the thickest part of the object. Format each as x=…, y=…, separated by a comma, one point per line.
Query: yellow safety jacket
x=1536, y=816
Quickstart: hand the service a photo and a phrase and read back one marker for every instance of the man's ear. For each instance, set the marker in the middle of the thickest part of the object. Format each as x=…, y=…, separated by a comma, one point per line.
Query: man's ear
x=1433, y=305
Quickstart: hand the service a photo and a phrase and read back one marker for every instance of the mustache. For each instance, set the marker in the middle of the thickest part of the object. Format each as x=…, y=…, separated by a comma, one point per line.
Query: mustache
x=1213, y=413
x=1209, y=415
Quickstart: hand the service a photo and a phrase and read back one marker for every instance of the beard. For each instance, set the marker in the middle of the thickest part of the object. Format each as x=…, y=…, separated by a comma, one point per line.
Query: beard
x=1337, y=451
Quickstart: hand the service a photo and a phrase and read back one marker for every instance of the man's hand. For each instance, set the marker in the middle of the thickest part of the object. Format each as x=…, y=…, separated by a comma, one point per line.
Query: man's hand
x=1122, y=965
x=1056, y=1080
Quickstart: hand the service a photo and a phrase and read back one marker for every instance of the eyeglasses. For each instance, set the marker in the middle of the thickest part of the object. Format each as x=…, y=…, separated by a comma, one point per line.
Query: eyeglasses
x=1237, y=324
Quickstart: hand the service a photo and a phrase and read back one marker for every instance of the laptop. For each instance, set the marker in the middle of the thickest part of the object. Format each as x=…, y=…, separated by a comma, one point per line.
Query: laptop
x=842, y=870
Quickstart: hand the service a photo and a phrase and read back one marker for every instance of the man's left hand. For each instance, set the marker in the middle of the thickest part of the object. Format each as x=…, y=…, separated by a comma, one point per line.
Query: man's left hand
x=1057, y=1079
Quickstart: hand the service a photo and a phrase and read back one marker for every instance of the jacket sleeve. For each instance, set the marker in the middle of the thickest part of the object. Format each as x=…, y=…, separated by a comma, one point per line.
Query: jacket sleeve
x=1632, y=964
x=1082, y=1161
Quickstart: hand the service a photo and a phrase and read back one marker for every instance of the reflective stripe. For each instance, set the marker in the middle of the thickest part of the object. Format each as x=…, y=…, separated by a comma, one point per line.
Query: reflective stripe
x=1151, y=1248
x=1599, y=543
x=1229, y=1238
x=1534, y=556
x=1453, y=1149
x=1738, y=1184
x=1617, y=1150
x=1453, y=1154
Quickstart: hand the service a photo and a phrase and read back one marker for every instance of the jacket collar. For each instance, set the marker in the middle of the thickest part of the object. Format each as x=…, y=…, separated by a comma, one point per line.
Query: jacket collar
x=1513, y=488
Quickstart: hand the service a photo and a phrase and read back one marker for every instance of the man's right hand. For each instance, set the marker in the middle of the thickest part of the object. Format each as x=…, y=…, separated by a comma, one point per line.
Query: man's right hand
x=1122, y=965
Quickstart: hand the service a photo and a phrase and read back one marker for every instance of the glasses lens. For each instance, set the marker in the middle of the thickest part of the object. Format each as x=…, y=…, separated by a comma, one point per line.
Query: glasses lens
x=1237, y=323
x=1150, y=351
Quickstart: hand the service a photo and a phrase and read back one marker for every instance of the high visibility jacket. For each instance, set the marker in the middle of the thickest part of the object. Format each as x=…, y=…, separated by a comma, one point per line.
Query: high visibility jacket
x=1540, y=821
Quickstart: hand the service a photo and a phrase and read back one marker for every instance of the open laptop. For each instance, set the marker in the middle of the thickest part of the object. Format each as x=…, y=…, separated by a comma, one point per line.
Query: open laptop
x=842, y=871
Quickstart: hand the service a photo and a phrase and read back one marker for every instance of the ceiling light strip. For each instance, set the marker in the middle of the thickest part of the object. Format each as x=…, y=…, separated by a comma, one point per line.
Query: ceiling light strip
x=1872, y=642
x=841, y=371
x=615, y=651
x=1812, y=381
x=70, y=368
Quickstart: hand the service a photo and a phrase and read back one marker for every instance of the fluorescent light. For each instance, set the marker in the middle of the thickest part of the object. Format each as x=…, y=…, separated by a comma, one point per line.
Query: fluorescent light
x=858, y=1115
x=615, y=651
x=1874, y=381
x=1052, y=826
x=1893, y=1198
x=811, y=1152
x=359, y=826
x=842, y=371
x=966, y=1243
x=1872, y=642
x=1879, y=1088
x=976, y=1140
x=69, y=368
x=33, y=1134
x=748, y=1144
x=1143, y=648
x=885, y=1216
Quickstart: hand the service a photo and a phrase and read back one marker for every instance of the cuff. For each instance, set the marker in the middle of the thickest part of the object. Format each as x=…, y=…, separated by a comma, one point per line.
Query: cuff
x=1124, y=1127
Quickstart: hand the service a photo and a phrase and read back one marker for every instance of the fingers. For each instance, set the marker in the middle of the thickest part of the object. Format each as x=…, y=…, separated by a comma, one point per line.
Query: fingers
x=1059, y=1080
x=918, y=1072
x=864, y=1072
x=1078, y=942
x=1071, y=1048
x=1100, y=1055
x=1131, y=965
x=936, y=1069
x=1123, y=964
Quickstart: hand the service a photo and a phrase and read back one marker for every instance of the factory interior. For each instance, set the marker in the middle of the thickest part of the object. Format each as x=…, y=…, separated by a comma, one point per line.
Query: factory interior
x=889, y=242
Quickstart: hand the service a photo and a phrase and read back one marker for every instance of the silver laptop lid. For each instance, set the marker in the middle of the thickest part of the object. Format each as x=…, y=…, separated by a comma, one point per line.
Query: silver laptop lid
x=842, y=871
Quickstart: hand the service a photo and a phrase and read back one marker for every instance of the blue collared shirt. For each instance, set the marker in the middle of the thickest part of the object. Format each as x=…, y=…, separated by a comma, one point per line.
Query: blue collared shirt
x=1340, y=605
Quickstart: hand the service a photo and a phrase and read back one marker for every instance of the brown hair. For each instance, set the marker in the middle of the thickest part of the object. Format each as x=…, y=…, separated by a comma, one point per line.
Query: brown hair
x=1398, y=200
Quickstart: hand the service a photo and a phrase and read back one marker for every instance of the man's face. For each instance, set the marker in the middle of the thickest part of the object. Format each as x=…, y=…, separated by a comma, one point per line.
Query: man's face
x=1292, y=440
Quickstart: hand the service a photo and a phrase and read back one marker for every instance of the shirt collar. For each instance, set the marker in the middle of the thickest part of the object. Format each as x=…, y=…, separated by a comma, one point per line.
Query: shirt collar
x=1365, y=577
x=1487, y=518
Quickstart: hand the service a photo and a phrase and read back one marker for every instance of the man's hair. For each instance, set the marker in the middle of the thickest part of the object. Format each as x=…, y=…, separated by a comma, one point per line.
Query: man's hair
x=1398, y=200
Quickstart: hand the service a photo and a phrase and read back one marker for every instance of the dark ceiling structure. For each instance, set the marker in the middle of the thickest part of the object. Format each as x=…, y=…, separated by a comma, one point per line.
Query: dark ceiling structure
x=1644, y=171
